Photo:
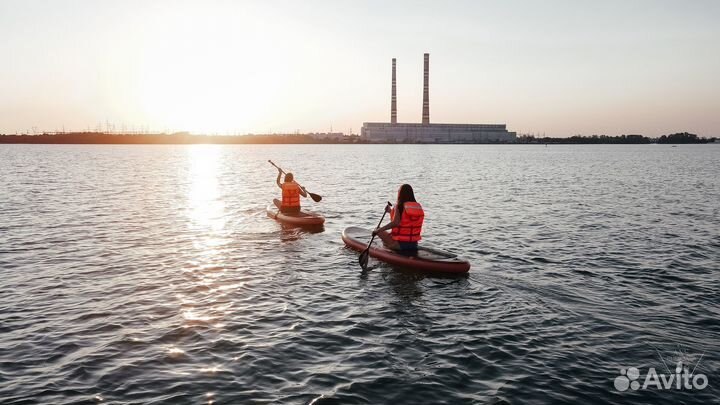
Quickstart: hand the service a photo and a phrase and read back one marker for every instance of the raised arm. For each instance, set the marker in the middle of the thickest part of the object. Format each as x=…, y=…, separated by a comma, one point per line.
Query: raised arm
x=278, y=178
x=392, y=224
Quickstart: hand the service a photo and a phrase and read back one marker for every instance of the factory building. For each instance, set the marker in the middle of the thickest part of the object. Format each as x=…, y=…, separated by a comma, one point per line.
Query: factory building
x=425, y=132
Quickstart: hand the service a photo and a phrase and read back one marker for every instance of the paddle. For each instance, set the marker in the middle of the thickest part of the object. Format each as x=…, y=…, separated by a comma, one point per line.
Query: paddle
x=363, y=259
x=314, y=196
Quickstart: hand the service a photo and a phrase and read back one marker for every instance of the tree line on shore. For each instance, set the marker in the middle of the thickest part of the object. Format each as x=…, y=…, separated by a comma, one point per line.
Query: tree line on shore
x=680, y=137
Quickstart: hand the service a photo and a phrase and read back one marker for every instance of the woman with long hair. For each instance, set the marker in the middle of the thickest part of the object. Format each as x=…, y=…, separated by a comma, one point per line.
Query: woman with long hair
x=406, y=220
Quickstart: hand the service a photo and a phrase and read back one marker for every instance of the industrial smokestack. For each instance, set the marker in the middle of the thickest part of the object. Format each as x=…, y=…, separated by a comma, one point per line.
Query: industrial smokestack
x=393, y=97
x=426, y=95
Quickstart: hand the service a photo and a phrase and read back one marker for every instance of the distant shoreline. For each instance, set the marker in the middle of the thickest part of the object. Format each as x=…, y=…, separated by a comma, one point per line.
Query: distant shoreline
x=103, y=138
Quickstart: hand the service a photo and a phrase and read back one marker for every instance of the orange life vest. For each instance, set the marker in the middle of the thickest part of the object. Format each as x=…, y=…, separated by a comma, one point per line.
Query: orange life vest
x=290, y=194
x=411, y=222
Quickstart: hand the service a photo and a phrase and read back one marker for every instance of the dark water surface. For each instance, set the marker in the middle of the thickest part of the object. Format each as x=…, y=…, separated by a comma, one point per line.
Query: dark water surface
x=150, y=274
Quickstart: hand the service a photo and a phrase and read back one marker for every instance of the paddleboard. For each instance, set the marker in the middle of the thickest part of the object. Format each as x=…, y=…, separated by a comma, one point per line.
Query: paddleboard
x=425, y=258
x=298, y=219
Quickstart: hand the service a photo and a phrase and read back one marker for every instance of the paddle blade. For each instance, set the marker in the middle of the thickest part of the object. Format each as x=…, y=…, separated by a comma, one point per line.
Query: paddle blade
x=315, y=197
x=363, y=259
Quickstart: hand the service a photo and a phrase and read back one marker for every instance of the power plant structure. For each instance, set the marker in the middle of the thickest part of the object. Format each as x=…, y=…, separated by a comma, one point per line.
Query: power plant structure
x=425, y=132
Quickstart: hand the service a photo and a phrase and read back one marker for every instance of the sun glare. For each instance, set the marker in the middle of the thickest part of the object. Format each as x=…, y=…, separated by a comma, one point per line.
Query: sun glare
x=203, y=80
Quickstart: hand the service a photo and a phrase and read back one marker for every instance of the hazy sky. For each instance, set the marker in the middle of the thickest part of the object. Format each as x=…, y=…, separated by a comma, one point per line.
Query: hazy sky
x=558, y=67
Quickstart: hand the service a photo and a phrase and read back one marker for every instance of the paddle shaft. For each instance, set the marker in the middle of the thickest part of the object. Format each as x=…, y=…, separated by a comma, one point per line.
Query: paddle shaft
x=277, y=167
x=366, y=252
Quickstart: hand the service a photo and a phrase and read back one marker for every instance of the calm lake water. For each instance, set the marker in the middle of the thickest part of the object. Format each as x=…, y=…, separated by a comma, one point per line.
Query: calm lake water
x=151, y=274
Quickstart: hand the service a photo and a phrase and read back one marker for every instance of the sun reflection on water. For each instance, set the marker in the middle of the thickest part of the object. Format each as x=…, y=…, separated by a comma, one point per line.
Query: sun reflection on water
x=207, y=223
x=206, y=208
x=174, y=351
x=202, y=297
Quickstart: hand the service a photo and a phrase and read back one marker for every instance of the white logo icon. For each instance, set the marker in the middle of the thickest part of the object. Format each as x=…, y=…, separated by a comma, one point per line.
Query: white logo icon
x=627, y=378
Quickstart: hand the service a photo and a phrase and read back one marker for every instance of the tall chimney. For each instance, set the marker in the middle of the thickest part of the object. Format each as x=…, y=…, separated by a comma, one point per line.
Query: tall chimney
x=426, y=94
x=393, y=97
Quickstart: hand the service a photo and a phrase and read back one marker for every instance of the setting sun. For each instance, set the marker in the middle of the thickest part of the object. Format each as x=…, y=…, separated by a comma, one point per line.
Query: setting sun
x=204, y=79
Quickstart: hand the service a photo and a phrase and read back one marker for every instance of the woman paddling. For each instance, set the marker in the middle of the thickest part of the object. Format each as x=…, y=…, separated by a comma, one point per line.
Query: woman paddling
x=291, y=192
x=406, y=219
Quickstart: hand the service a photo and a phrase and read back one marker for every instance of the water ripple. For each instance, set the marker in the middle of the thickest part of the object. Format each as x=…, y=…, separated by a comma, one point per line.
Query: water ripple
x=150, y=274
